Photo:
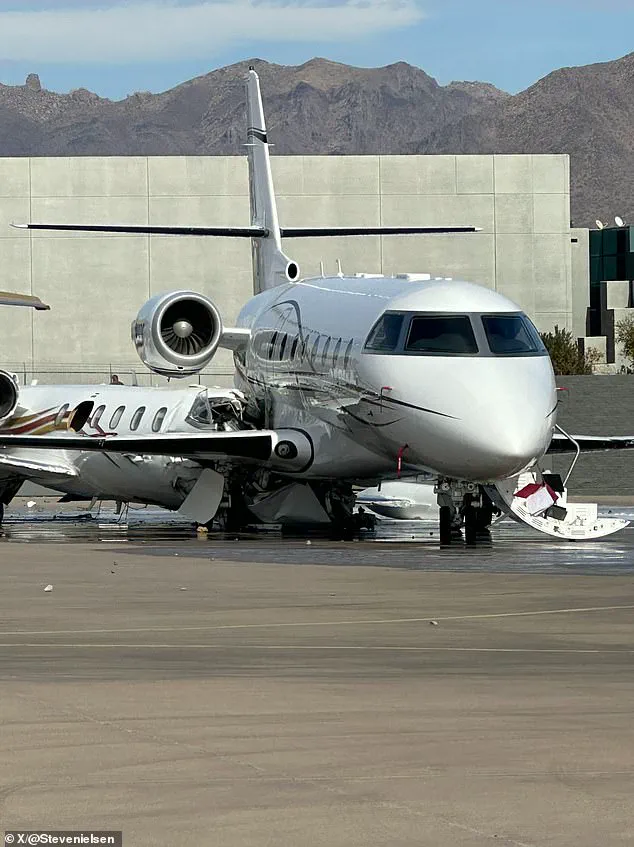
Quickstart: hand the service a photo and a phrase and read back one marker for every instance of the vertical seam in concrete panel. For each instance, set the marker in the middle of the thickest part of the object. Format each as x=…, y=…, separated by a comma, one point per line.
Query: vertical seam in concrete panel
x=149, y=237
x=32, y=311
x=569, y=298
x=532, y=187
x=379, y=159
x=495, y=226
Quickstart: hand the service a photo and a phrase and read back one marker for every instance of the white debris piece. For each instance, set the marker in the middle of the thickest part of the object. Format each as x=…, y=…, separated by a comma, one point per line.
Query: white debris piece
x=48, y=588
x=433, y=623
x=30, y=504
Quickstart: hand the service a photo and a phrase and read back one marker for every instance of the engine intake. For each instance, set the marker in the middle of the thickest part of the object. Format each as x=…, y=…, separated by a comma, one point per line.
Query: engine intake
x=177, y=334
x=9, y=394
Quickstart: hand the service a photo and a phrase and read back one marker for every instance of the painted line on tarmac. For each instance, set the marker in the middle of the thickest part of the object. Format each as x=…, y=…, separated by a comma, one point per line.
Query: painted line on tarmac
x=317, y=647
x=280, y=625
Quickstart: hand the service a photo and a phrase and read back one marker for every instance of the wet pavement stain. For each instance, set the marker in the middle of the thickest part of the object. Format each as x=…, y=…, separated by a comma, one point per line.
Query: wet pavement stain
x=410, y=545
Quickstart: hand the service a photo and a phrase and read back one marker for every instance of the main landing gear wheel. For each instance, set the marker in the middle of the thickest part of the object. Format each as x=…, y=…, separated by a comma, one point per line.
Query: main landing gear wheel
x=471, y=523
x=446, y=523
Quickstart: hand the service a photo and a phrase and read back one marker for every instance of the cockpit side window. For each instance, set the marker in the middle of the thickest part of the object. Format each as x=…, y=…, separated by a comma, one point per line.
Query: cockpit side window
x=200, y=414
x=449, y=335
x=512, y=335
x=385, y=333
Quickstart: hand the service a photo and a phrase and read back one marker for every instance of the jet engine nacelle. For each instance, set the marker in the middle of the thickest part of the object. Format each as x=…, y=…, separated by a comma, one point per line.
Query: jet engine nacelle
x=177, y=334
x=9, y=394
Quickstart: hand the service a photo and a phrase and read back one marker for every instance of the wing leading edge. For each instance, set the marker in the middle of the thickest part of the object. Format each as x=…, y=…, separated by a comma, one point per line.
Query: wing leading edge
x=249, y=445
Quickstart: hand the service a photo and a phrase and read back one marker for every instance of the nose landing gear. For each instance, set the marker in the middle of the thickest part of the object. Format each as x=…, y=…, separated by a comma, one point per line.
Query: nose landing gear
x=463, y=505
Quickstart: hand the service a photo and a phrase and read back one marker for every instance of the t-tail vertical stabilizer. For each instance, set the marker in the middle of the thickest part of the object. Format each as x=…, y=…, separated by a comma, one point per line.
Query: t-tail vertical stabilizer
x=271, y=266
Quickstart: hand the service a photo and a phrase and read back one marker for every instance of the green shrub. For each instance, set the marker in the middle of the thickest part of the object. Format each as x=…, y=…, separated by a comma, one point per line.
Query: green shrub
x=624, y=334
x=565, y=354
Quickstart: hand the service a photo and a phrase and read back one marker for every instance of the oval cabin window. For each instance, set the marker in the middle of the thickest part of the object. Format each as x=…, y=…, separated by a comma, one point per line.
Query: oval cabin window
x=347, y=354
x=335, y=354
x=96, y=417
x=116, y=417
x=61, y=415
x=324, y=354
x=136, y=418
x=159, y=417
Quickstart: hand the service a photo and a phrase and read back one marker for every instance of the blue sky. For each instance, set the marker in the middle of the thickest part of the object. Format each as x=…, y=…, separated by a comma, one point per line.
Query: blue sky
x=116, y=47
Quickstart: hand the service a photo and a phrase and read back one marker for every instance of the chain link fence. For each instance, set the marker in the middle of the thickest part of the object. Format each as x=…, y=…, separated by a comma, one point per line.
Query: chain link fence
x=73, y=373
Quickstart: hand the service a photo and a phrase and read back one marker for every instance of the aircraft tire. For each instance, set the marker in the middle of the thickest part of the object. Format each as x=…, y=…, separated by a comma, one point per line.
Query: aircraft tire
x=445, y=517
x=471, y=521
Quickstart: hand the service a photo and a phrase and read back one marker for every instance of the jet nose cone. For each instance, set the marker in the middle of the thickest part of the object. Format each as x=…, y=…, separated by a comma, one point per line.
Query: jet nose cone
x=505, y=446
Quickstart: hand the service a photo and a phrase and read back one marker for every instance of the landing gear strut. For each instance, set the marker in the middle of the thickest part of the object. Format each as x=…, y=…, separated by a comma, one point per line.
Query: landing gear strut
x=463, y=505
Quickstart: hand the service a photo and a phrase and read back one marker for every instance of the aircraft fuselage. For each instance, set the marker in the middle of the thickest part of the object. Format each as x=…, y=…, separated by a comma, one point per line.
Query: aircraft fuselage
x=476, y=415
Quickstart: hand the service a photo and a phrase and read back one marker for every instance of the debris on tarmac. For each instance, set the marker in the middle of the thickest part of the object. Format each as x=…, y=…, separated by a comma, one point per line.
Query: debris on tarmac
x=48, y=588
x=433, y=623
x=30, y=504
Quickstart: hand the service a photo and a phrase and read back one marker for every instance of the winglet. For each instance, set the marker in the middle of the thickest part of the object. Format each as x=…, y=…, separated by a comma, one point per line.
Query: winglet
x=8, y=298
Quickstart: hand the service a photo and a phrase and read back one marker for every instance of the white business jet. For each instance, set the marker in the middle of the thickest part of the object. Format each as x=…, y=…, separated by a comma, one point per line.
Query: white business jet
x=348, y=380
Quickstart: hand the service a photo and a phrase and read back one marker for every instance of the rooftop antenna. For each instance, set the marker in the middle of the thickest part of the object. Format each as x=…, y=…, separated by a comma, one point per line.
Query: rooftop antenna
x=339, y=271
x=618, y=220
x=600, y=224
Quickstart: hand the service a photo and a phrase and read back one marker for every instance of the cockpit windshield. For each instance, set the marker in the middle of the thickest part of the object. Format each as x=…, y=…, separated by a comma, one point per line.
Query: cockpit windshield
x=473, y=334
x=386, y=332
x=512, y=335
x=446, y=334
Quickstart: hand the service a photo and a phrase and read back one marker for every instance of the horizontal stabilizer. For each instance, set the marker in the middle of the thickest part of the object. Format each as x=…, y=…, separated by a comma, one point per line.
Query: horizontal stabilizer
x=123, y=229
x=591, y=443
x=331, y=231
x=8, y=298
x=252, y=231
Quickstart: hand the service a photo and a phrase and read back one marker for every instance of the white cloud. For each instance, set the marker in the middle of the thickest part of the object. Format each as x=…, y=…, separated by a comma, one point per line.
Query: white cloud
x=164, y=30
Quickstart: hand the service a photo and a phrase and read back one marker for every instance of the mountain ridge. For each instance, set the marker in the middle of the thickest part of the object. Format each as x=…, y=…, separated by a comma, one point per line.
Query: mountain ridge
x=326, y=107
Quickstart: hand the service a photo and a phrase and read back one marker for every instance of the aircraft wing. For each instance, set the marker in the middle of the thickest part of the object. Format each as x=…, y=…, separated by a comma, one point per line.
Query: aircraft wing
x=591, y=443
x=245, y=445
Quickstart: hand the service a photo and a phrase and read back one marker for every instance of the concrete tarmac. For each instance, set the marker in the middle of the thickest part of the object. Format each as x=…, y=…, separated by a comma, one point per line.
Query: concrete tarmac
x=268, y=692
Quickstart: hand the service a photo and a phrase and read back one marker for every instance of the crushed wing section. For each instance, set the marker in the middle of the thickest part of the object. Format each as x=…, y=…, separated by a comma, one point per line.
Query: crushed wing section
x=22, y=465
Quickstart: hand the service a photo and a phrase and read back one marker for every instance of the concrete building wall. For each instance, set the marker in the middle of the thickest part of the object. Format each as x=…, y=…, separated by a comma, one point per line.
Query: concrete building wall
x=597, y=405
x=96, y=283
x=580, y=253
